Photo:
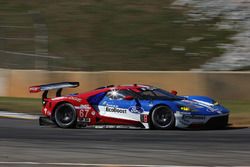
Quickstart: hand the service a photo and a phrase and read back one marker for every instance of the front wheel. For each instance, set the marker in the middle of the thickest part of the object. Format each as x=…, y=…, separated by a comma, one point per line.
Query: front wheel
x=162, y=118
x=65, y=116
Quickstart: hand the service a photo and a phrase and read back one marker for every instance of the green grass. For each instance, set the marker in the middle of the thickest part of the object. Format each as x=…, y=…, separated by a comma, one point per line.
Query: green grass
x=240, y=110
x=27, y=105
x=112, y=35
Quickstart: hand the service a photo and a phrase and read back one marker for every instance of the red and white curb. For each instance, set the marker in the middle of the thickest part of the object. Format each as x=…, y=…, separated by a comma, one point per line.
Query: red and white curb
x=6, y=114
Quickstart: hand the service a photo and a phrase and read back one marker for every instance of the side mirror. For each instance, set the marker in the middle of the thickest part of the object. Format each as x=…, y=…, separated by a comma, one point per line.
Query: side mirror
x=128, y=98
x=174, y=92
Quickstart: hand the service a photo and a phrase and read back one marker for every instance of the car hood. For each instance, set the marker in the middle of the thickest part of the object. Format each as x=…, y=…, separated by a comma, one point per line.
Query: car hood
x=201, y=107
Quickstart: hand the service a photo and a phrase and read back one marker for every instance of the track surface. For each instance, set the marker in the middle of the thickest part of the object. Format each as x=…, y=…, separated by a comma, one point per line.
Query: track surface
x=24, y=140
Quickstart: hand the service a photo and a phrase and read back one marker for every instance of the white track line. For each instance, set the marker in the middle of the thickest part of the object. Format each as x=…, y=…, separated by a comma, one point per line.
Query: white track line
x=17, y=115
x=28, y=54
x=10, y=26
x=104, y=165
x=181, y=72
x=86, y=164
x=21, y=39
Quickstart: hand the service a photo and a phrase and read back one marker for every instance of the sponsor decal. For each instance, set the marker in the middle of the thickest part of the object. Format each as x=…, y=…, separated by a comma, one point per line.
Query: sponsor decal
x=58, y=98
x=185, y=113
x=116, y=110
x=136, y=109
x=84, y=107
x=193, y=117
x=81, y=113
x=75, y=98
x=183, y=122
x=47, y=112
x=144, y=118
x=84, y=120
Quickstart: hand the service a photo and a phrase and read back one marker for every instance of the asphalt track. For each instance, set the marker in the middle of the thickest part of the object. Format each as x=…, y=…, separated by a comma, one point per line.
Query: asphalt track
x=24, y=143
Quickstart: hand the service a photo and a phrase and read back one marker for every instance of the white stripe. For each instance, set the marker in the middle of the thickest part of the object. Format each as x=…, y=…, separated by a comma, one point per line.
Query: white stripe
x=18, y=115
x=205, y=104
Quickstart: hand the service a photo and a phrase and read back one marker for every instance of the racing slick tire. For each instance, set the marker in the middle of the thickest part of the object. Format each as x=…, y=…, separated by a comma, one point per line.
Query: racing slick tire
x=65, y=116
x=162, y=118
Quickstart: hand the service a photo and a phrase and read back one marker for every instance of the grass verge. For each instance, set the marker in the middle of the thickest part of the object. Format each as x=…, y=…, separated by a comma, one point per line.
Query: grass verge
x=240, y=112
x=25, y=105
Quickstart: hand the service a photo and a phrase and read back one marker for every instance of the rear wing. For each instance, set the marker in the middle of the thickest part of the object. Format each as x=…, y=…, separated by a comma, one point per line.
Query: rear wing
x=59, y=86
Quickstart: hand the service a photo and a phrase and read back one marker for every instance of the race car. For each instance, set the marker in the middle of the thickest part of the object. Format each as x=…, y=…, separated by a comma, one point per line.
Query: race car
x=132, y=106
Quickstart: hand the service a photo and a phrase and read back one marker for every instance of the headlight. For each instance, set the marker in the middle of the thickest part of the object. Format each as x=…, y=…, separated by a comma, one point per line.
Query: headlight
x=216, y=103
x=185, y=108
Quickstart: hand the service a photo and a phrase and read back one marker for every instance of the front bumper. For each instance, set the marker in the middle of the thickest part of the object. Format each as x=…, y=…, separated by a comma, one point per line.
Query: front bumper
x=217, y=122
x=185, y=120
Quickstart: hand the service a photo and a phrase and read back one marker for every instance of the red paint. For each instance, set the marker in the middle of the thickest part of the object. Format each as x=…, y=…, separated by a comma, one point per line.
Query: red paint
x=34, y=89
x=81, y=100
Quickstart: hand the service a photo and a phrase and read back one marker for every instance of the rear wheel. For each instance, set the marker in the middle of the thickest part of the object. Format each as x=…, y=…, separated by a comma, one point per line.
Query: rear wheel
x=65, y=116
x=162, y=118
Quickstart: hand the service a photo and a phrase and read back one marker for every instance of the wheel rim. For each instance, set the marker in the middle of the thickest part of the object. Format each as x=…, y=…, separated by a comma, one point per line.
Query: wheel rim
x=163, y=117
x=65, y=115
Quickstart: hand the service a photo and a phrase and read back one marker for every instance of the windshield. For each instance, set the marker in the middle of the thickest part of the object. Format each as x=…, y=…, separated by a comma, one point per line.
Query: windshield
x=158, y=94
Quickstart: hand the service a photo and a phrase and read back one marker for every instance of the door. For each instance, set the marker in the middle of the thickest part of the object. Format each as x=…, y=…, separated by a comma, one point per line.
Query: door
x=115, y=105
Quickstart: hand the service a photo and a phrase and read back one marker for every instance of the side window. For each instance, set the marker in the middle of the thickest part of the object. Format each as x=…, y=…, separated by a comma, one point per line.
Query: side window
x=159, y=94
x=148, y=93
x=118, y=94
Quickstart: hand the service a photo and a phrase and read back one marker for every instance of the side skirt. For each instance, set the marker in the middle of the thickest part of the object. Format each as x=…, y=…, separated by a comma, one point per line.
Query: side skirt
x=45, y=121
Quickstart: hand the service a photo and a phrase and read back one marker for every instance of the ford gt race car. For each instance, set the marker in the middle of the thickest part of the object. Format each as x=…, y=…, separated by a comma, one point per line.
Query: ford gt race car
x=138, y=106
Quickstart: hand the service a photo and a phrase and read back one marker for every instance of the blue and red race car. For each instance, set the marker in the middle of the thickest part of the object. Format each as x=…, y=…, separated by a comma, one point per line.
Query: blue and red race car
x=138, y=106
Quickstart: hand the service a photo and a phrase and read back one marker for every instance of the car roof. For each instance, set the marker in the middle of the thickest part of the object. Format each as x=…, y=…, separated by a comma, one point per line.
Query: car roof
x=131, y=86
x=112, y=87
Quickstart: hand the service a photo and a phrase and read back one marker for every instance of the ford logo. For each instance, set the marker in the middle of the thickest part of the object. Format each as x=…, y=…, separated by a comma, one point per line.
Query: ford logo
x=136, y=109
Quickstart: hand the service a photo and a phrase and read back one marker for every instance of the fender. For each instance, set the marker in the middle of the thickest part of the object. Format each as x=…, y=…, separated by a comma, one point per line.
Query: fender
x=201, y=98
